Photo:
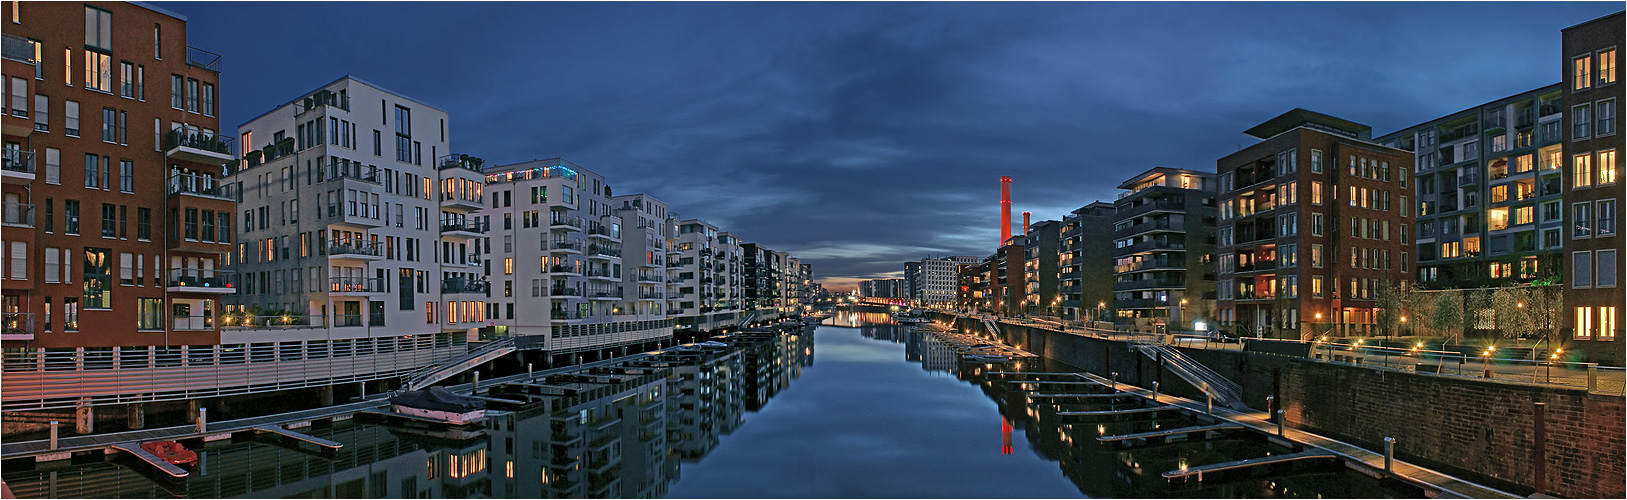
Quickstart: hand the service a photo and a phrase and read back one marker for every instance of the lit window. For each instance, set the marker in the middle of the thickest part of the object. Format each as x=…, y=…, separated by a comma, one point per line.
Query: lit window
x=1582, y=73
x=1584, y=322
x=1607, y=66
x=1582, y=170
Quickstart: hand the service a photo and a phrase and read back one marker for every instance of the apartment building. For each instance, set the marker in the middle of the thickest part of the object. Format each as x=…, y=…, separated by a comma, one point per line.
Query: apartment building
x=710, y=268
x=1041, y=256
x=1345, y=239
x=729, y=292
x=116, y=227
x=556, y=234
x=1163, y=252
x=1086, y=256
x=889, y=288
x=1487, y=192
x=934, y=282
x=1593, y=194
x=644, y=253
x=972, y=286
x=912, y=282
x=1007, y=284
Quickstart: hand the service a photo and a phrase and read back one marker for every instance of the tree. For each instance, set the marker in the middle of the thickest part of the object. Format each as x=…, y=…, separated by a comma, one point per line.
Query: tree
x=1392, y=301
x=1421, y=306
x=1546, y=306
x=1446, y=316
x=1511, y=308
x=1478, y=314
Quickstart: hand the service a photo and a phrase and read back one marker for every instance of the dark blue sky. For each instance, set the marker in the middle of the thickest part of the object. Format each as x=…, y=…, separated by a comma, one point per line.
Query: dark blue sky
x=861, y=135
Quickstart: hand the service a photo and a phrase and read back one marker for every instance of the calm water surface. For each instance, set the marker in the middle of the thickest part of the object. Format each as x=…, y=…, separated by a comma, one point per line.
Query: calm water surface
x=882, y=411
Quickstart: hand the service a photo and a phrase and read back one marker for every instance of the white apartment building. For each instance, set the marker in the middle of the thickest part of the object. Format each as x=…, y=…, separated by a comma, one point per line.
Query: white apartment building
x=644, y=253
x=708, y=266
x=937, y=280
x=353, y=241
x=555, y=248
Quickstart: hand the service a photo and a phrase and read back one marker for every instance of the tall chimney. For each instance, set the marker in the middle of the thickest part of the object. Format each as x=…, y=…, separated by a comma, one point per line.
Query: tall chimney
x=1005, y=209
x=1025, y=222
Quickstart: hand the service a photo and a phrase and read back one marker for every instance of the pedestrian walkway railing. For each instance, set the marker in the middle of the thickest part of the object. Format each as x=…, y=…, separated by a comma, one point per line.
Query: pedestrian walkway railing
x=1190, y=370
x=450, y=367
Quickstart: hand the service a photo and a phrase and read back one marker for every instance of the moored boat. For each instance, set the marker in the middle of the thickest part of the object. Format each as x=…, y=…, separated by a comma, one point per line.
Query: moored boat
x=439, y=404
x=171, y=452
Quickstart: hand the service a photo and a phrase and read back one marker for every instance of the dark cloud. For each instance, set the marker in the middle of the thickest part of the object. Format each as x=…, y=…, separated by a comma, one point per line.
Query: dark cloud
x=861, y=135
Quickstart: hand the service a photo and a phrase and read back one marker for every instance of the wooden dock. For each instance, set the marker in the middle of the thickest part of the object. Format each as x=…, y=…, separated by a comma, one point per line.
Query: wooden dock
x=1205, y=429
x=135, y=449
x=301, y=437
x=1127, y=411
x=1090, y=395
x=1249, y=462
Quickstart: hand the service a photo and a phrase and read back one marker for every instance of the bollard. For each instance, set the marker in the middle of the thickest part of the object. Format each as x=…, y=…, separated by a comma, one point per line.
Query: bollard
x=1270, y=405
x=203, y=419
x=1115, y=381
x=1279, y=423
x=528, y=370
x=54, y=425
x=1539, y=445
x=1155, y=391
x=475, y=384
x=1389, y=453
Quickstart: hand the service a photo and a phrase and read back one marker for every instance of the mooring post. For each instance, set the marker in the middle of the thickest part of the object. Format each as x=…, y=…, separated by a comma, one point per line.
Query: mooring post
x=1539, y=451
x=528, y=370
x=476, y=383
x=1155, y=391
x=54, y=425
x=203, y=419
x=1115, y=381
x=1270, y=406
x=1389, y=454
x=1279, y=423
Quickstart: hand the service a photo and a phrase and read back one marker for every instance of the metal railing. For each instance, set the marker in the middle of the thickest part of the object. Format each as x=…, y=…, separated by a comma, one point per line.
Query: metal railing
x=469, y=226
x=17, y=160
x=17, y=322
x=355, y=285
x=462, y=161
x=562, y=291
x=181, y=137
x=1190, y=370
x=18, y=49
x=202, y=278
x=355, y=247
x=446, y=368
x=19, y=214
x=464, y=285
x=202, y=59
x=196, y=185
x=575, y=222
x=232, y=321
x=364, y=173
x=565, y=245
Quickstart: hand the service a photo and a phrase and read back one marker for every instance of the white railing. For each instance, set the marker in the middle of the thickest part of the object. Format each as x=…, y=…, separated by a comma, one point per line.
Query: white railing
x=444, y=369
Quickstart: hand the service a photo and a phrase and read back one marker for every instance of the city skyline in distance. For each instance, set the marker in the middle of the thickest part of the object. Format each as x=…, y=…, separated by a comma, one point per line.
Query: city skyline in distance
x=859, y=136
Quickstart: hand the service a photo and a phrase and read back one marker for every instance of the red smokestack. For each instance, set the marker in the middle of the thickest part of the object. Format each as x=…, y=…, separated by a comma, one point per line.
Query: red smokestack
x=1005, y=209
x=1025, y=222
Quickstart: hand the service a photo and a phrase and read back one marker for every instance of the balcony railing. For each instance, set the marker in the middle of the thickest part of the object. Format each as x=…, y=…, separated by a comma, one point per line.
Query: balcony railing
x=470, y=226
x=364, y=173
x=464, y=285
x=349, y=247
x=324, y=98
x=565, y=245
x=19, y=49
x=564, y=291
x=601, y=273
x=355, y=285
x=561, y=314
x=196, y=185
x=575, y=222
x=17, y=322
x=237, y=321
x=19, y=214
x=462, y=161
x=200, y=58
x=181, y=137
x=17, y=160
x=602, y=231
x=604, y=251
x=563, y=269
x=651, y=295
x=202, y=278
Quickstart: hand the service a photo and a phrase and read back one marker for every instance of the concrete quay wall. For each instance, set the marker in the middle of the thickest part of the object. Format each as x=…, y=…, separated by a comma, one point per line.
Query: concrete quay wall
x=1480, y=430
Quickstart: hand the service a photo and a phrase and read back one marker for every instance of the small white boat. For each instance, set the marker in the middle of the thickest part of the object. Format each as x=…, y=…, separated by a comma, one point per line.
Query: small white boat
x=439, y=404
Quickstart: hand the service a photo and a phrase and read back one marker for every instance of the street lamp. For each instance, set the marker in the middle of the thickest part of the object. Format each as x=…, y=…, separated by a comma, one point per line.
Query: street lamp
x=1183, y=312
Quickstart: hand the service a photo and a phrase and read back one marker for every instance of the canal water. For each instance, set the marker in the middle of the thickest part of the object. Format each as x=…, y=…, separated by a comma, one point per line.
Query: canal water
x=858, y=407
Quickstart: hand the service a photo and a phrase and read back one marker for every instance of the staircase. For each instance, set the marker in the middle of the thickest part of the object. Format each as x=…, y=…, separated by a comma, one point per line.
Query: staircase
x=1225, y=391
x=994, y=328
x=745, y=319
x=447, y=368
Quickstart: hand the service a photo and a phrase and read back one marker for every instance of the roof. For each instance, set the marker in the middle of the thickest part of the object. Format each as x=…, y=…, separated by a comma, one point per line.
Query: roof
x=340, y=79
x=1591, y=21
x=1300, y=116
x=1131, y=182
x=1556, y=87
x=158, y=9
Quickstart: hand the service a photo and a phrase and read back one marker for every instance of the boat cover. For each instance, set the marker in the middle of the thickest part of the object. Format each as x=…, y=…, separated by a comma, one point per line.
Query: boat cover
x=437, y=399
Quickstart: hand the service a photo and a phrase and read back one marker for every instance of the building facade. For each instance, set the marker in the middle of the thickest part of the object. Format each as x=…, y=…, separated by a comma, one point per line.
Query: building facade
x=1593, y=193
x=1337, y=226
x=1085, y=255
x=1163, y=251
x=1041, y=255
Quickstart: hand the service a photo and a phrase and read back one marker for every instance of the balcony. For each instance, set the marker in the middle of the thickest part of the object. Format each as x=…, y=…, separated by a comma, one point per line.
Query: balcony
x=564, y=270
x=1150, y=245
x=239, y=321
x=355, y=286
x=193, y=146
x=355, y=250
x=347, y=215
x=465, y=285
x=17, y=166
x=16, y=48
x=19, y=214
x=651, y=296
x=460, y=202
x=604, y=295
x=650, y=278
x=16, y=326
x=564, y=222
x=564, y=291
x=202, y=281
x=196, y=185
x=560, y=314
x=601, y=251
x=565, y=246
x=203, y=59
x=461, y=161
x=354, y=172
x=323, y=98
x=603, y=232
x=465, y=229
x=1148, y=264
x=1151, y=226
x=601, y=274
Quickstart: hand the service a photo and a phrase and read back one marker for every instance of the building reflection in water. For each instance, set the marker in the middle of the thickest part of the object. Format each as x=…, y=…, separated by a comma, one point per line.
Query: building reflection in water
x=608, y=432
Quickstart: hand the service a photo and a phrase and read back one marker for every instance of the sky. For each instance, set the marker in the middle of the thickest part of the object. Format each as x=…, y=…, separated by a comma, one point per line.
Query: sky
x=858, y=136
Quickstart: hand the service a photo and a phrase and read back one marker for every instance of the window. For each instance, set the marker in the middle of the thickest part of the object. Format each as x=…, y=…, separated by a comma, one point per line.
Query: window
x=1581, y=73
x=149, y=314
x=1524, y=215
x=144, y=224
x=1607, y=167
x=42, y=113
x=98, y=71
x=93, y=174
x=1584, y=322
x=70, y=114
x=1581, y=122
x=1606, y=220
x=207, y=106
x=110, y=125
x=1316, y=192
x=127, y=80
x=1316, y=255
x=177, y=96
x=98, y=28
x=1605, y=277
x=1581, y=171
x=109, y=220
x=192, y=95
x=1607, y=66
x=158, y=42
x=1582, y=269
x=1607, y=322
x=1582, y=220
x=98, y=274
x=378, y=144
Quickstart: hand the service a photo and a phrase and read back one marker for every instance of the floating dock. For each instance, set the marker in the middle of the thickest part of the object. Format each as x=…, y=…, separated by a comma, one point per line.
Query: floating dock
x=1204, y=429
x=135, y=449
x=976, y=349
x=1127, y=411
x=1248, y=463
x=301, y=437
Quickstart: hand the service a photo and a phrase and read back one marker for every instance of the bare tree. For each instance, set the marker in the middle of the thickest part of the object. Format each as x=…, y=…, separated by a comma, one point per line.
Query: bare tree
x=1392, y=302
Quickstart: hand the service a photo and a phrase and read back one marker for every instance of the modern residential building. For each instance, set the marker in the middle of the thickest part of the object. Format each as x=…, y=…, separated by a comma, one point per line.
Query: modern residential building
x=891, y=288
x=556, y=234
x=913, y=282
x=1487, y=192
x=1338, y=226
x=644, y=253
x=116, y=224
x=1593, y=194
x=972, y=286
x=705, y=295
x=934, y=282
x=1086, y=256
x=1007, y=284
x=1163, y=252
x=1041, y=252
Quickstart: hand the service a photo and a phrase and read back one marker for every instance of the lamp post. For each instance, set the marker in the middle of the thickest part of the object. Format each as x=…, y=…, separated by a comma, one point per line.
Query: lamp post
x=1182, y=319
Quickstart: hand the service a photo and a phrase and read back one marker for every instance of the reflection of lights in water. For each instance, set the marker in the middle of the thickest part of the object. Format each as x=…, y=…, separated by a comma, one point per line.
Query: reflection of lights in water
x=1101, y=430
x=1183, y=465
